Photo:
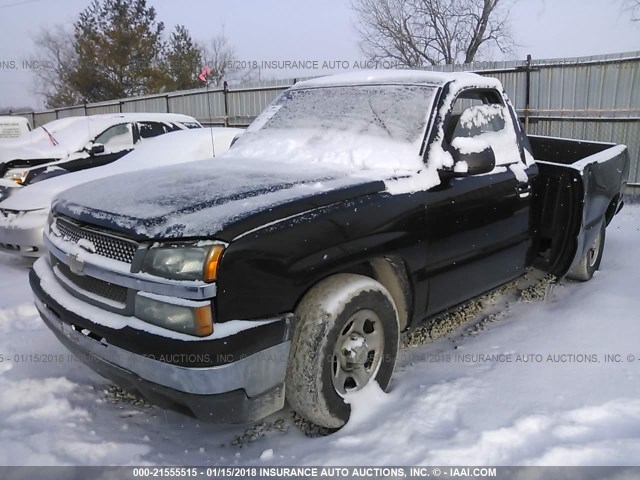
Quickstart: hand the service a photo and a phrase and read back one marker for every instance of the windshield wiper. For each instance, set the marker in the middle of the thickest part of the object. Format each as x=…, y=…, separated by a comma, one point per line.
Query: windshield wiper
x=52, y=139
x=376, y=119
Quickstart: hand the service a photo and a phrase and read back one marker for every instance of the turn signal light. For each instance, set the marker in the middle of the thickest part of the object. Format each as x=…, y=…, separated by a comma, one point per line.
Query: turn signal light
x=212, y=262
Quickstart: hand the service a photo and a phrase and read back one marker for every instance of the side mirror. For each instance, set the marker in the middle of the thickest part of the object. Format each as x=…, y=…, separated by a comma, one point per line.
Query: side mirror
x=476, y=163
x=96, y=149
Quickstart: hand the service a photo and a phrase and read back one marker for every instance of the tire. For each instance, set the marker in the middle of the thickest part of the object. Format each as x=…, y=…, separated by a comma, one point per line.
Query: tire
x=340, y=322
x=590, y=262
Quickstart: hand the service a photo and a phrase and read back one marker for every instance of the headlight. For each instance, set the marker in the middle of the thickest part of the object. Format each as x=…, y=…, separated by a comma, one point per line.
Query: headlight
x=192, y=318
x=183, y=262
x=18, y=176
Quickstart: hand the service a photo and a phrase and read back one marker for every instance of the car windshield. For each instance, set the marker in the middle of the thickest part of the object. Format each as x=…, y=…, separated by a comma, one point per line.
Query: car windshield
x=61, y=130
x=395, y=112
x=69, y=134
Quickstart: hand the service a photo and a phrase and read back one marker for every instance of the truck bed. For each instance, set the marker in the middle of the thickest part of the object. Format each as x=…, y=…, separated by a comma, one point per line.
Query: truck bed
x=577, y=189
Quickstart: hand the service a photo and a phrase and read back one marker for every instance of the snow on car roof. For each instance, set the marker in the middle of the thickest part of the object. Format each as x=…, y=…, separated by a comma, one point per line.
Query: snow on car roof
x=72, y=133
x=373, y=77
x=141, y=117
x=172, y=148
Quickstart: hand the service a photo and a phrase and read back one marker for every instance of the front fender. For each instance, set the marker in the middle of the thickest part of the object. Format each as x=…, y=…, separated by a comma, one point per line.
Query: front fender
x=270, y=269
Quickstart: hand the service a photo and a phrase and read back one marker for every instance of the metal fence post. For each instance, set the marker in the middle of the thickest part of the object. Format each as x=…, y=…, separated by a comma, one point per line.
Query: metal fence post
x=225, y=91
x=527, y=106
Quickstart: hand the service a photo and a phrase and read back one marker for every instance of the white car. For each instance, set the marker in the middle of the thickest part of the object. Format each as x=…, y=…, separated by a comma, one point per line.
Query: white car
x=24, y=214
x=13, y=127
x=77, y=143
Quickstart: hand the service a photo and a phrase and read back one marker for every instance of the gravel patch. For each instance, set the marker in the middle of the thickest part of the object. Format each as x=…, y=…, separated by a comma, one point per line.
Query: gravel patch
x=476, y=314
x=118, y=395
x=311, y=430
x=258, y=431
x=540, y=291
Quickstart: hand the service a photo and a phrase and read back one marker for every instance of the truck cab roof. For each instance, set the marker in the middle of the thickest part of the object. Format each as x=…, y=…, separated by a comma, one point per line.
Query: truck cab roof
x=382, y=77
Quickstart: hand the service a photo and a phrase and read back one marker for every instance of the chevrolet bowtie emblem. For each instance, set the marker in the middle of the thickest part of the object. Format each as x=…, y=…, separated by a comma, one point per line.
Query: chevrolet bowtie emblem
x=75, y=265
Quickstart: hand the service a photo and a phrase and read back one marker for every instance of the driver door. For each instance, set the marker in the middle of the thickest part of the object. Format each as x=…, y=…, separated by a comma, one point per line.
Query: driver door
x=117, y=140
x=479, y=224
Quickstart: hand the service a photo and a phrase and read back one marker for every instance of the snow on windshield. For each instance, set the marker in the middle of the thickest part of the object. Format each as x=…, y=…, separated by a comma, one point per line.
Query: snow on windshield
x=359, y=127
x=396, y=112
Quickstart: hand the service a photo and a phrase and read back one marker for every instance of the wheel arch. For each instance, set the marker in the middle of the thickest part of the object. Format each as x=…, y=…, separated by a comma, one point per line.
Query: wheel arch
x=391, y=272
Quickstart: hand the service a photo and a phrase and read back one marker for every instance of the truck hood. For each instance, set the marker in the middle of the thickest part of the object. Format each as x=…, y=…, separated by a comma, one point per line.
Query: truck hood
x=213, y=199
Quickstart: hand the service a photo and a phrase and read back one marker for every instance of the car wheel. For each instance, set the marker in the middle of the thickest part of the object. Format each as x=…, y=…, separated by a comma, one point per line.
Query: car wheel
x=590, y=262
x=346, y=336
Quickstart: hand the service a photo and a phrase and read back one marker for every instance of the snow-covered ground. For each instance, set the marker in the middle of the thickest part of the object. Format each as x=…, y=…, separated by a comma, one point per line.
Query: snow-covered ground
x=573, y=408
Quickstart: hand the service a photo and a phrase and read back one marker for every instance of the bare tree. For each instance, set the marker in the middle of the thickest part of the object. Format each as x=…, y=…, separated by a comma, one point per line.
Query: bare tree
x=633, y=7
x=220, y=56
x=417, y=33
x=53, y=63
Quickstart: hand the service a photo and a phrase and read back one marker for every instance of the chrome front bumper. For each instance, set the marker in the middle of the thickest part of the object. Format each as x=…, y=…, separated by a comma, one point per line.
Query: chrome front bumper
x=247, y=389
x=255, y=374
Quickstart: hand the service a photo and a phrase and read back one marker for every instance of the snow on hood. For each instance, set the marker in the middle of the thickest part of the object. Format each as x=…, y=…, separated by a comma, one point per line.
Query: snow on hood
x=264, y=170
x=175, y=202
x=71, y=133
x=169, y=149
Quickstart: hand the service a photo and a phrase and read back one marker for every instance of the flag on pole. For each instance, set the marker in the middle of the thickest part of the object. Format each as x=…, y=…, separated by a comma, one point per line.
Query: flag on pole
x=206, y=71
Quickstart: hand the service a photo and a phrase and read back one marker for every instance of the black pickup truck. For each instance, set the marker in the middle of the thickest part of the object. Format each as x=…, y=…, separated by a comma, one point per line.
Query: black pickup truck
x=355, y=207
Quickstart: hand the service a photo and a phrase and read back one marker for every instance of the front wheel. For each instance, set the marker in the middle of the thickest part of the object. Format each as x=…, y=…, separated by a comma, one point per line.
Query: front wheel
x=590, y=262
x=346, y=335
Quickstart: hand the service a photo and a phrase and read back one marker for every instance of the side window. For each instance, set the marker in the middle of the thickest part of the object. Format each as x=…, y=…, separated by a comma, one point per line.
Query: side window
x=464, y=102
x=479, y=120
x=116, y=138
x=173, y=127
x=151, y=129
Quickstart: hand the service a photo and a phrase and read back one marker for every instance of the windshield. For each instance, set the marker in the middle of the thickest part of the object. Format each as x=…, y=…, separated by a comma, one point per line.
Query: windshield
x=59, y=129
x=66, y=134
x=396, y=112
x=354, y=127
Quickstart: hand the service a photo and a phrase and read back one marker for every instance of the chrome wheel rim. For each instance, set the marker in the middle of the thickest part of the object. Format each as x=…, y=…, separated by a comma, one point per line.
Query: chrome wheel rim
x=594, y=250
x=358, y=351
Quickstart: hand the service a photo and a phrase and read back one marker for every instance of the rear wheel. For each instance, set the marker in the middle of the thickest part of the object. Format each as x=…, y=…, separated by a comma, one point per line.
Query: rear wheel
x=590, y=262
x=346, y=336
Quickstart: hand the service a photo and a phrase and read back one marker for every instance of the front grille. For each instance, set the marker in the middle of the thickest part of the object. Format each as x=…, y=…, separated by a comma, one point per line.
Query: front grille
x=105, y=244
x=115, y=295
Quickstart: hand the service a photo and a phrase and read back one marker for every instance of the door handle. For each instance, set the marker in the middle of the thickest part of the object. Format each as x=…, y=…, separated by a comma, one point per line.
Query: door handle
x=523, y=189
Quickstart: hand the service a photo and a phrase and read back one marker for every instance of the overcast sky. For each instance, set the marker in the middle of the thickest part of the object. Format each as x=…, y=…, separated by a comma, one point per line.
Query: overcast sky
x=319, y=30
